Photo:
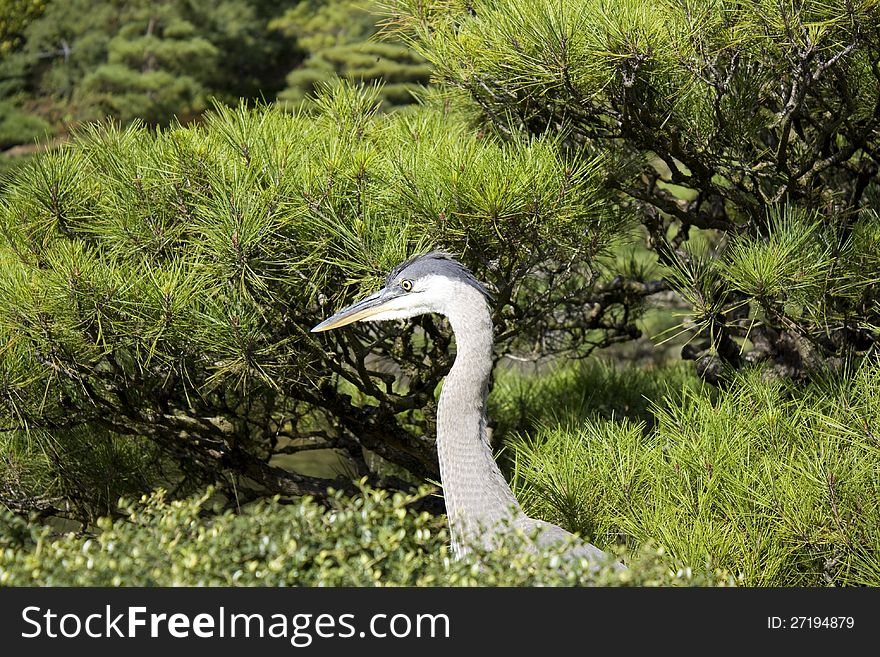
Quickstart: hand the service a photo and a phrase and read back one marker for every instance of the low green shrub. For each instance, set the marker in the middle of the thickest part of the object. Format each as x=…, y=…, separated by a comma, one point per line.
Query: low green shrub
x=374, y=539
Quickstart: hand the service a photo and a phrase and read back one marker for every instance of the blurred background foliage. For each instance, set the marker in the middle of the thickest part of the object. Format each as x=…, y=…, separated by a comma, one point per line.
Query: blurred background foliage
x=65, y=63
x=187, y=186
x=342, y=38
x=83, y=60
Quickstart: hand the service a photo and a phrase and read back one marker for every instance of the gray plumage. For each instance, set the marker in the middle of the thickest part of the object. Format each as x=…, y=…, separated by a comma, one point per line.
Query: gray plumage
x=480, y=504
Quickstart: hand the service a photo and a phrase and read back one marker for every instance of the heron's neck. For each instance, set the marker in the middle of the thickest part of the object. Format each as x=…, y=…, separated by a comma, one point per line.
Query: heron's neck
x=477, y=495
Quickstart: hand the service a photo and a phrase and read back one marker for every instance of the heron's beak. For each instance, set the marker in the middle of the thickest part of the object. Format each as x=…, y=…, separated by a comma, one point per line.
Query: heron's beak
x=361, y=310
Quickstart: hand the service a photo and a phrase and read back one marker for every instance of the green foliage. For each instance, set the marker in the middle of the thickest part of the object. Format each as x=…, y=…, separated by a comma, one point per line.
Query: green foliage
x=754, y=122
x=788, y=262
x=153, y=67
x=80, y=472
x=18, y=127
x=163, y=283
x=341, y=37
x=319, y=24
x=9, y=165
x=776, y=484
x=83, y=60
x=803, y=272
x=569, y=394
x=15, y=15
x=373, y=539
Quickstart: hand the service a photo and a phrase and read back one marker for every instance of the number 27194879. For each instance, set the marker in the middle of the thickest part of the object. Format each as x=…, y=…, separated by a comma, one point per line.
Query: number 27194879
x=811, y=622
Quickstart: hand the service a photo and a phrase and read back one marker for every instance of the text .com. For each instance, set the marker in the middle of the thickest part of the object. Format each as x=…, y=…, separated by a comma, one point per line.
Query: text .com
x=300, y=629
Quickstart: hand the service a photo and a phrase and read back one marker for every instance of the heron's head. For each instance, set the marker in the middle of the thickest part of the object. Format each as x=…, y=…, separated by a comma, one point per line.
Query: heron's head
x=429, y=283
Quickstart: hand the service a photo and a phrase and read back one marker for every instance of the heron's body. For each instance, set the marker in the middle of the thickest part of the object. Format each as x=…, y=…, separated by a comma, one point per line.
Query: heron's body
x=479, y=503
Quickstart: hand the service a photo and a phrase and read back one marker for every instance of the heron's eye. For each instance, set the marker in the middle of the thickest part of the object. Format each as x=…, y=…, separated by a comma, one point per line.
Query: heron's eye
x=406, y=284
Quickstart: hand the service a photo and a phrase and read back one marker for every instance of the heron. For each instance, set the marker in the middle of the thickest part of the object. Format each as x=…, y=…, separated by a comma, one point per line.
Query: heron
x=480, y=505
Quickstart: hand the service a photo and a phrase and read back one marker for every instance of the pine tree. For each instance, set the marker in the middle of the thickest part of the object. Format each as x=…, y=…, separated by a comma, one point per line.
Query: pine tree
x=153, y=70
x=160, y=286
x=82, y=60
x=343, y=40
x=746, y=142
x=15, y=15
